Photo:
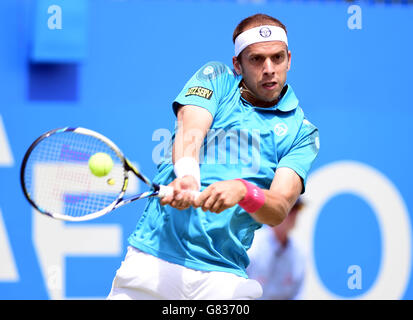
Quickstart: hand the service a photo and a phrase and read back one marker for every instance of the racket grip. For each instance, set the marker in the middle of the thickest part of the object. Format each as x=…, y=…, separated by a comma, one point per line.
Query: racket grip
x=167, y=190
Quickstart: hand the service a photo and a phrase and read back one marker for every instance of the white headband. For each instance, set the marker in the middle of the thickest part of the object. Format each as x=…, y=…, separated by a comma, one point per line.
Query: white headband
x=259, y=34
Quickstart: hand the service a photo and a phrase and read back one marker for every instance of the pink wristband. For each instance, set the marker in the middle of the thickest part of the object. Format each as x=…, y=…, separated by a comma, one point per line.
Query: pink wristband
x=254, y=199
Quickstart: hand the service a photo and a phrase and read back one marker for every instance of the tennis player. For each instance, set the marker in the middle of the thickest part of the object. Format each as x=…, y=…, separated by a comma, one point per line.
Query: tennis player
x=242, y=139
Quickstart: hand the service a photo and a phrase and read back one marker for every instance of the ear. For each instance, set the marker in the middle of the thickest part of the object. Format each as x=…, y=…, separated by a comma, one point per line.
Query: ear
x=289, y=60
x=237, y=65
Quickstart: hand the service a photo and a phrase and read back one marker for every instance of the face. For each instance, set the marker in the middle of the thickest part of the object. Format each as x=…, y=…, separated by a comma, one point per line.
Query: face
x=264, y=68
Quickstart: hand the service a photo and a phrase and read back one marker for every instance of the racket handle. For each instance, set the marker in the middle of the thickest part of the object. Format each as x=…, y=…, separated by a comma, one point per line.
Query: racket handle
x=167, y=190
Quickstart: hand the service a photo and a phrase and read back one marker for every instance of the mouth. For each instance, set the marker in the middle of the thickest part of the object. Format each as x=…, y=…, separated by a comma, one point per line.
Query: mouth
x=271, y=85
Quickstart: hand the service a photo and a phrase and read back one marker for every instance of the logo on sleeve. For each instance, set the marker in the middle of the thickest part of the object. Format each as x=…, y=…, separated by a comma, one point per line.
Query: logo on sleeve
x=208, y=70
x=200, y=92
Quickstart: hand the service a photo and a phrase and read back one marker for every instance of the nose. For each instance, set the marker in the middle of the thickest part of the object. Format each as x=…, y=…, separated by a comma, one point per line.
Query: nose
x=269, y=67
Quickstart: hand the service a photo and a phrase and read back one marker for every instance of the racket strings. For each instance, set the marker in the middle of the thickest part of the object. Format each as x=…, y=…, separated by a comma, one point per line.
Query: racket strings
x=58, y=179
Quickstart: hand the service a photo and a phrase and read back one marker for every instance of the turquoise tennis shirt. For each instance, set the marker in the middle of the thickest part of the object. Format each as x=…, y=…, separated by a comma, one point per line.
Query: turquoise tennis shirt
x=245, y=142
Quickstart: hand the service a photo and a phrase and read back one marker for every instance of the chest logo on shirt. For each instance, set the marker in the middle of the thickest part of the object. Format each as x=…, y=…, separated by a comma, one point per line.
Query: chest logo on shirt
x=200, y=92
x=280, y=129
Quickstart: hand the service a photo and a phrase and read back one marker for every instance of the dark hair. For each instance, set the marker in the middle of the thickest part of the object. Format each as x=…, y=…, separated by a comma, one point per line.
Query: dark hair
x=256, y=20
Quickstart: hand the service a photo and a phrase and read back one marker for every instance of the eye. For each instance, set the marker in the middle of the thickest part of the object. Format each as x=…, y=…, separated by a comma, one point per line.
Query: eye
x=255, y=59
x=278, y=57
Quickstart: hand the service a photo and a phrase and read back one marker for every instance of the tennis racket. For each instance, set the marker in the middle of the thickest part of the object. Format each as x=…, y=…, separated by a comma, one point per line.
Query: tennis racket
x=57, y=181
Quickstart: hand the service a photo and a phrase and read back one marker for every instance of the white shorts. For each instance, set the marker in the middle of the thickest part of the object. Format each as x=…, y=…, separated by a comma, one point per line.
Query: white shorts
x=145, y=277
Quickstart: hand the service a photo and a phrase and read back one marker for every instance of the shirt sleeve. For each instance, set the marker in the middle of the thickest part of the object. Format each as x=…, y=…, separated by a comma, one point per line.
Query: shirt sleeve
x=303, y=152
x=206, y=88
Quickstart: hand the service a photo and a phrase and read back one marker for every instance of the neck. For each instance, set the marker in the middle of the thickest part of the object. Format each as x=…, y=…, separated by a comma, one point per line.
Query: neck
x=251, y=98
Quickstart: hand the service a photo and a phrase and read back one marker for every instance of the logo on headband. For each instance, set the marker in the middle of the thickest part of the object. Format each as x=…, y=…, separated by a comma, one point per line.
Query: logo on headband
x=265, y=32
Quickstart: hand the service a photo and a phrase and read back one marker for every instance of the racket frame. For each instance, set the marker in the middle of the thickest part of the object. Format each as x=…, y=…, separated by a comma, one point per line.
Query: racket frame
x=119, y=201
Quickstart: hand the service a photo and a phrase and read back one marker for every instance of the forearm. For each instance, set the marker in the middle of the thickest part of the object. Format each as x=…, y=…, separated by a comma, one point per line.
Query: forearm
x=185, y=145
x=193, y=124
x=185, y=156
x=274, y=210
x=272, y=206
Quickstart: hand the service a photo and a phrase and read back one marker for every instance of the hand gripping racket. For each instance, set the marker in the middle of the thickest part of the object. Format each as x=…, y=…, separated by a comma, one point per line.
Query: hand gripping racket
x=57, y=181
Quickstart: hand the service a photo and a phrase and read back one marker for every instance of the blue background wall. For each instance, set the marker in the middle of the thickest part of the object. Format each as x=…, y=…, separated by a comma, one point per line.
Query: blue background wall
x=131, y=60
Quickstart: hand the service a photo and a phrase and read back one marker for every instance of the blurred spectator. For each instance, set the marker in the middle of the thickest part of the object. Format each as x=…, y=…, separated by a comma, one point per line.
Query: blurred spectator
x=276, y=262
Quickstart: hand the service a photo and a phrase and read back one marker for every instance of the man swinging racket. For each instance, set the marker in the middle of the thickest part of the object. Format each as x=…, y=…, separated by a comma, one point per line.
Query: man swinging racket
x=243, y=141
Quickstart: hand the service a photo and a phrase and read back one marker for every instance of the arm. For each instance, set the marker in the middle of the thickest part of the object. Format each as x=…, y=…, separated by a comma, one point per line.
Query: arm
x=193, y=125
x=279, y=199
x=285, y=189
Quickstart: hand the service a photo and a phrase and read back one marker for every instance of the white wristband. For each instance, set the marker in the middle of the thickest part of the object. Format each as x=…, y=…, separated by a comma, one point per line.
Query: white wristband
x=188, y=166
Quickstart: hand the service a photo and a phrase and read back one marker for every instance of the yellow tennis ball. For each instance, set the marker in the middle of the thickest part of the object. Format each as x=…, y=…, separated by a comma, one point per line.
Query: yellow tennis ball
x=100, y=164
